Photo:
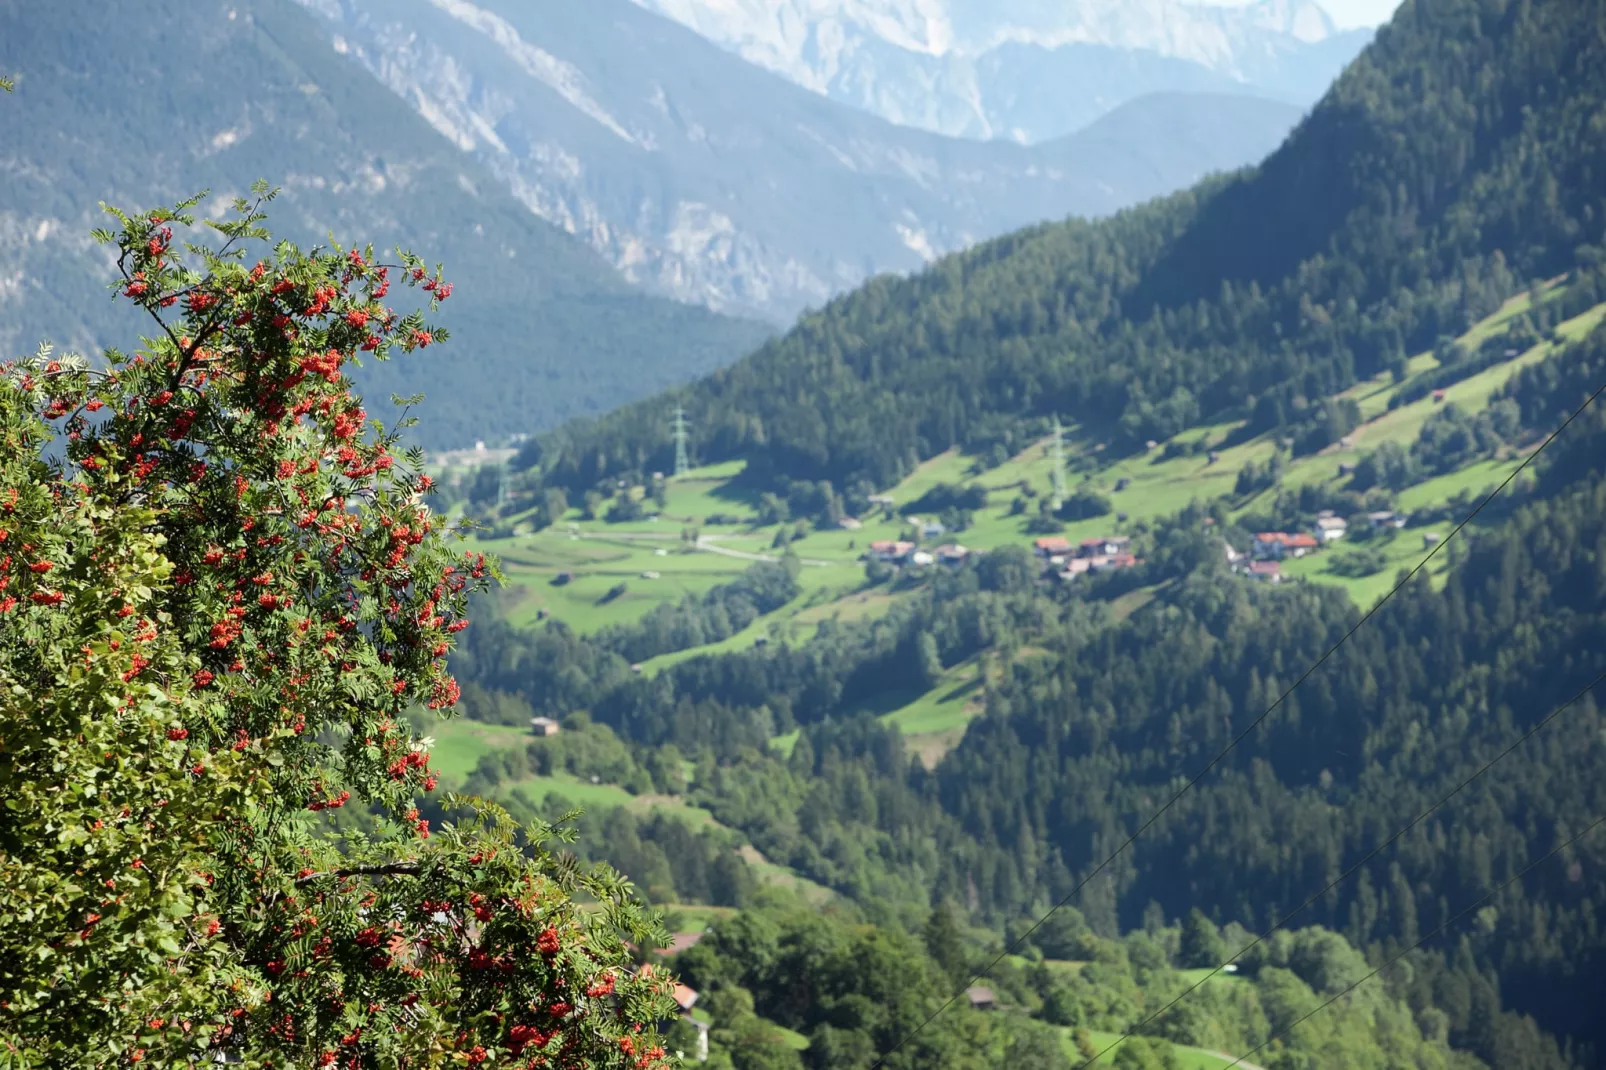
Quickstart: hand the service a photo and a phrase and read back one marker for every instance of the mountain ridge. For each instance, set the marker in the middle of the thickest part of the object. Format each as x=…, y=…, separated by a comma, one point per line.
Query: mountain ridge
x=712, y=181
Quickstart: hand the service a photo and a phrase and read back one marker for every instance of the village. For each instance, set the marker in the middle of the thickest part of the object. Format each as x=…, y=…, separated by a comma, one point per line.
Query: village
x=1263, y=561
x=1064, y=561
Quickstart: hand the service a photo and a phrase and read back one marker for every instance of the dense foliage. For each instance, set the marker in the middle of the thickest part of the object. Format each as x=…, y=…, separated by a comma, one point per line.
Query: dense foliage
x=220, y=589
x=1454, y=163
x=855, y=992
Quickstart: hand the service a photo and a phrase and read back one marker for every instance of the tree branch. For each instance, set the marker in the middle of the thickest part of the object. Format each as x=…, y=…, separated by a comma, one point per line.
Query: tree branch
x=389, y=869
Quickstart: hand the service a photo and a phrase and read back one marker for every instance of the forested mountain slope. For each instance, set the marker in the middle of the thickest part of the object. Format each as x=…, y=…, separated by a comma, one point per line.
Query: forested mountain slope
x=1457, y=160
x=1457, y=164
x=1090, y=721
x=143, y=104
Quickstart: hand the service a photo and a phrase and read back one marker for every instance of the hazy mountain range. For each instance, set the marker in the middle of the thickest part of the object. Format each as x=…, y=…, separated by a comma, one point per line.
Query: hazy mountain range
x=572, y=164
x=707, y=179
x=1025, y=69
x=141, y=104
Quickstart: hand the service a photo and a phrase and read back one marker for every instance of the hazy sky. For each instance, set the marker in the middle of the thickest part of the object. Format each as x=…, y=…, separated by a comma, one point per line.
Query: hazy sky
x=1347, y=13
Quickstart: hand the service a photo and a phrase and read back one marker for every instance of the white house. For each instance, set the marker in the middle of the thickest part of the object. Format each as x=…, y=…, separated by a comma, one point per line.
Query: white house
x=1104, y=546
x=1331, y=528
x=1271, y=571
x=685, y=1000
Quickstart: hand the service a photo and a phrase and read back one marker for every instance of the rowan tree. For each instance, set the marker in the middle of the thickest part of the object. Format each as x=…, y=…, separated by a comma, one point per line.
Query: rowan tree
x=221, y=590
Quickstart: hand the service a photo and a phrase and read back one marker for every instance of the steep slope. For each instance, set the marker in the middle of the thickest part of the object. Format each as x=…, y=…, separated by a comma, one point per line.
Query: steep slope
x=109, y=108
x=1020, y=69
x=720, y=184
x=1455, y=162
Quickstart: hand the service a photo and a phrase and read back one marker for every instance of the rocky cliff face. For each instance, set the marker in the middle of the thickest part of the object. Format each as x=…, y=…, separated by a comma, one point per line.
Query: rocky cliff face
x=705, y=178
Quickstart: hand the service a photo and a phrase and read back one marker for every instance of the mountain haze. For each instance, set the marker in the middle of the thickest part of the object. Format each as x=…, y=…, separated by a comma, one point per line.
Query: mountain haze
x=110, y=107
x=710, y=180
x=1025, y=70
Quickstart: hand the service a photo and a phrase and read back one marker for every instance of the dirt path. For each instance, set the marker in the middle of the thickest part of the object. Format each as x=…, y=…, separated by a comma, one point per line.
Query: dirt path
x=1229, y=1058
x=706, y=542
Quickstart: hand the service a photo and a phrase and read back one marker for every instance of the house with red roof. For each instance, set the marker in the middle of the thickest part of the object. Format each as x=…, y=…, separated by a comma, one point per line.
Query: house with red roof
x=1270, y=571
x=1275, y=545
x=1052, y=546
x=890, y=550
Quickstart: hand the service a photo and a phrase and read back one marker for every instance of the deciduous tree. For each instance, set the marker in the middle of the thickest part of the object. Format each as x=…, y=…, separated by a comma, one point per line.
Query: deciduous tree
x=220, y=589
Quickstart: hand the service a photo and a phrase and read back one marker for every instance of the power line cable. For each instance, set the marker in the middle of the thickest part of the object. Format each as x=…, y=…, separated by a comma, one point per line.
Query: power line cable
x=1217, y=760
x=1336, y=881
x=1593, y=825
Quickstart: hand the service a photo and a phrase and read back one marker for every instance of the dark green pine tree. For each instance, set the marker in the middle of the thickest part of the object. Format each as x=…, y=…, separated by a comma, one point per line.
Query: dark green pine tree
x=1202, y=945
x=945, y=943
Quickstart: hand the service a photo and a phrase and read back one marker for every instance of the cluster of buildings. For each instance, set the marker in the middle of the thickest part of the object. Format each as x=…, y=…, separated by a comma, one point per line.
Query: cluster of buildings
x=899, y=552
x=1064, y=561
x=1270, y=548
x=1266, y=554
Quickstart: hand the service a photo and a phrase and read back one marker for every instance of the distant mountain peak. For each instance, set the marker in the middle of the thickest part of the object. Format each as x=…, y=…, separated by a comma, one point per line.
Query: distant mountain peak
x=1303, y=20
x=774, y=31
x=940, y=64
x=705, y=178
x=562, y=77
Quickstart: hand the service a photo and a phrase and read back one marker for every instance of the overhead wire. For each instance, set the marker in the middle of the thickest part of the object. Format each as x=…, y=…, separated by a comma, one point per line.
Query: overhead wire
x=1010, y=947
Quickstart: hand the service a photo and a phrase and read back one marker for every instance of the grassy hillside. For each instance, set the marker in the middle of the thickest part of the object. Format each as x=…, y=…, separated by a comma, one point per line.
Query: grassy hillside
x=616, y=573
x=460, y=744
x=599, y=555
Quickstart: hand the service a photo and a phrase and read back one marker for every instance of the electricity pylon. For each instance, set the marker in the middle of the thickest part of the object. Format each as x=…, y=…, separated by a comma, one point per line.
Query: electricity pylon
x=1056, y=453
x=681, y=430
